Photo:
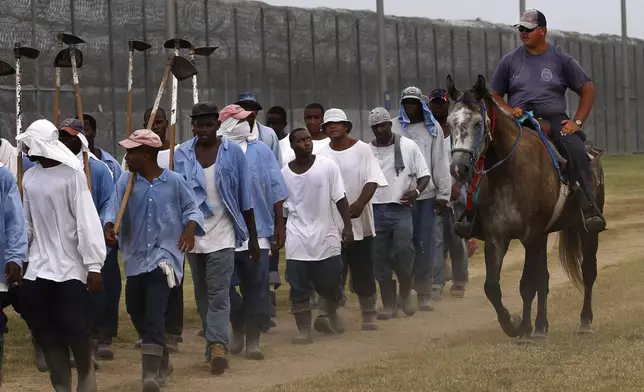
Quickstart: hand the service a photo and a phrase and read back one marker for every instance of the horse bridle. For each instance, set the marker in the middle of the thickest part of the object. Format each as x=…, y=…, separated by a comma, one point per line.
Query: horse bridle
x=483, y=135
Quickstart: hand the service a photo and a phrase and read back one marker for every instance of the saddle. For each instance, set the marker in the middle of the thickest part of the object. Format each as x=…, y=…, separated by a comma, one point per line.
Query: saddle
x=559, y=149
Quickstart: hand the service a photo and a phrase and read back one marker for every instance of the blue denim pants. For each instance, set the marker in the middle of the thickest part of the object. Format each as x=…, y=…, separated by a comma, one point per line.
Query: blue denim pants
x=423, y=217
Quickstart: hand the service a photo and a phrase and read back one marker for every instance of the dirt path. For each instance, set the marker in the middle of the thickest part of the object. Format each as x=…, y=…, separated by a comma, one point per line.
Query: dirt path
x=286, y=362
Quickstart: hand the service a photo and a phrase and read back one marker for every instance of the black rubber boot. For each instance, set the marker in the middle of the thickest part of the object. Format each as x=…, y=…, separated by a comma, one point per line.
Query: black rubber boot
x=252, y=343
x=239, y=332
x=39, y=357
x=151, y=358
x=303, y=322
x=84, y=366
x=388, y=296
x=60, y=370
x=166, y=368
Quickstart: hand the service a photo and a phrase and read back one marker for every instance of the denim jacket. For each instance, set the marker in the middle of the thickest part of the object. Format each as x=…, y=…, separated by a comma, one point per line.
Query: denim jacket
x=232, y=178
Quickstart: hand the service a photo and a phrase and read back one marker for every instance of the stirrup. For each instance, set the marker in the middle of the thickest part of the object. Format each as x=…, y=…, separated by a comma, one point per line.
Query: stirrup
x=464, y=226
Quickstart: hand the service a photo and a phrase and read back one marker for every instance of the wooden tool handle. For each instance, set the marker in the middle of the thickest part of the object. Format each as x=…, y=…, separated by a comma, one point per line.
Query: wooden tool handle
x=130, y=183
x=126, y=196
x=173, y=131
x=19, y=174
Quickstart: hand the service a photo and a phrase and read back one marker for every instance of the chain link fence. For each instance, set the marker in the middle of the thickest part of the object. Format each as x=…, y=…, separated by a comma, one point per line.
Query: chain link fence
x=288, y=57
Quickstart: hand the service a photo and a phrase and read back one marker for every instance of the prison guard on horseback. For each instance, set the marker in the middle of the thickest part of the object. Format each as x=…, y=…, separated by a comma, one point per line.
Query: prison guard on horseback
x=535, y=77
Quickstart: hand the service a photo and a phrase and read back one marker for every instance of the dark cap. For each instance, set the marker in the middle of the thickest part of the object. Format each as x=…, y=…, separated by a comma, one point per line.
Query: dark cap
x=204, y=109
x=531, y=19
x=439, y=93
x=72, y=126
x=248, y=98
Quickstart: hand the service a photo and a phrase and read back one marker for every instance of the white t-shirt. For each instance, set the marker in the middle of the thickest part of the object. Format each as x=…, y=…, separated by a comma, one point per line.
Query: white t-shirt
x=288, y=154
x=313, y=232
x=358, y=167
x=64, y=231
x=219, y=228
x=415, y=168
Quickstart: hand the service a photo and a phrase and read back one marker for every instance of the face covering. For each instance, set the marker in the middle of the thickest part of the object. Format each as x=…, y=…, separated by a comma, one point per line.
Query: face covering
x=236, y=131
x=42, y=139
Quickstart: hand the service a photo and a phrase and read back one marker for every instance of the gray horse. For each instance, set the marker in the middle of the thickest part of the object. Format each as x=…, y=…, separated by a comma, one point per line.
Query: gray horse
x=521, y=196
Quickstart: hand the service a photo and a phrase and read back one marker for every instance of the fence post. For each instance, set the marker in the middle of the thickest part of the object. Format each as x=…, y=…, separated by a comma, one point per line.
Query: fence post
x=360, y=84
x=290, y=70
x=398, y=58
x=36, y=62
x=313, y=70
x=262, y=41
x=417, y=52
x=112, y=95
x=237, y=84
x=146, y=75
x=208, y=72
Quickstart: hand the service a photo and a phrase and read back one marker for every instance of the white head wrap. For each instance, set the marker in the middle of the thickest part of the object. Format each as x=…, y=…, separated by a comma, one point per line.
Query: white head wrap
x=42, y=139
x=237, y=131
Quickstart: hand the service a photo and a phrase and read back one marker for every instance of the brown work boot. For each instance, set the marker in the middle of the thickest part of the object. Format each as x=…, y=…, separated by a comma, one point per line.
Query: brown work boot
x=218, y=358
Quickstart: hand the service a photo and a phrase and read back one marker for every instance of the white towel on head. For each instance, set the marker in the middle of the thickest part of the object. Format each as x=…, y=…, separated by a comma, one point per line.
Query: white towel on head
x=9, y=156
x=42, y=139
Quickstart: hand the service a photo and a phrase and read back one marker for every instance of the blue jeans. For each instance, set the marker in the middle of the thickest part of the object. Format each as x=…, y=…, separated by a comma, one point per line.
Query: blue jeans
x=393, y=248
x=323, y=276
x=250, y=306
x=211, y=273
x=105, y=304
x=146, y=299
x=423, y=217
x=448, y=241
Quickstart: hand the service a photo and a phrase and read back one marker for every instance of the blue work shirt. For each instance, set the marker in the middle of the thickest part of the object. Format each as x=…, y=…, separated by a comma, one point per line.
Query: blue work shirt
x=102, y=183
x=267, y=186
x=112, y=163
x=269, y=137
x=232, y=179
x=154, y=219
x=13, y=229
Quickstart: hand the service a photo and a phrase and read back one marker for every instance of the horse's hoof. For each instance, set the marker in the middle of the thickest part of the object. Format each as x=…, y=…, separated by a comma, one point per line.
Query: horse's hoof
x=539, y=336
x=525, y=340
x=585, y=330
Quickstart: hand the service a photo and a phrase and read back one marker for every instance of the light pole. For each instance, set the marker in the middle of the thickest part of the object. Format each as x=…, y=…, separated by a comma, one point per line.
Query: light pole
x=383, y=94
x=627, y=96
x=521, y=7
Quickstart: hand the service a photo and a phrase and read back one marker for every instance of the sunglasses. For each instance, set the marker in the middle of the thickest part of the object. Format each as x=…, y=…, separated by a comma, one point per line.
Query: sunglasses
x=526, y=30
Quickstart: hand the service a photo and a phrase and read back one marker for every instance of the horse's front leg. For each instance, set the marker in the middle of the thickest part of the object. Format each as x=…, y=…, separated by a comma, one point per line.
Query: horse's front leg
x=495, y=250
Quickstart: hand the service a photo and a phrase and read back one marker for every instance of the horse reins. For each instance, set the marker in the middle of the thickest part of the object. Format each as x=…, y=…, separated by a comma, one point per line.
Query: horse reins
x=480, y=163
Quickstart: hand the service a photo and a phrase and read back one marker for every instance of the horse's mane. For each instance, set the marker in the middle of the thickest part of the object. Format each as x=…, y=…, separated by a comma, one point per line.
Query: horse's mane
x=468, y=97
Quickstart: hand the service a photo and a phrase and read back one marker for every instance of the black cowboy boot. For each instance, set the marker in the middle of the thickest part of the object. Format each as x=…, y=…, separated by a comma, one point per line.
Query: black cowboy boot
x=592, y=218
x=465, y=225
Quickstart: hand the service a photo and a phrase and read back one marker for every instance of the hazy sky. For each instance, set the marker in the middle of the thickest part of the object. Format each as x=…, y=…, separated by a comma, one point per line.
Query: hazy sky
x=584, y=16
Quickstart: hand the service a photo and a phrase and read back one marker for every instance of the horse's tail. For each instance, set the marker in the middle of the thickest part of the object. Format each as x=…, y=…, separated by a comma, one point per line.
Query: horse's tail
x=570, y=254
